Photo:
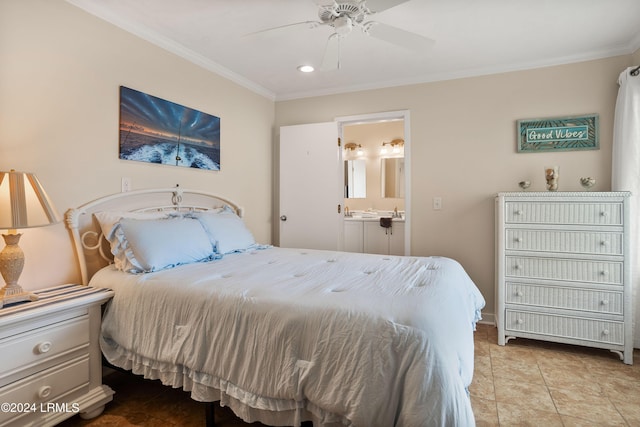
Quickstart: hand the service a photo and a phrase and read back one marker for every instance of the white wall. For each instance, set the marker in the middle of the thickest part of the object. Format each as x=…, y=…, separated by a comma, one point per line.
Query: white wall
x=60, y=72
x=463, y=147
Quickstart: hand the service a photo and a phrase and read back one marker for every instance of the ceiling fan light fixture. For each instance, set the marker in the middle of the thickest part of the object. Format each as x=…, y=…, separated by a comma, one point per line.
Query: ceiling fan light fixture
x=343, y=25
x=306, y=68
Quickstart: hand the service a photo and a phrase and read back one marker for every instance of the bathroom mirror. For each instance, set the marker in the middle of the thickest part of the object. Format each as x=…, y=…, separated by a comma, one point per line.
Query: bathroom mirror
x=392, y=177
x=355, y=179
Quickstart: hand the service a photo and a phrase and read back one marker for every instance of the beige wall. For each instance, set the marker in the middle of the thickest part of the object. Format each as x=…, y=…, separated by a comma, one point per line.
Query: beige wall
x=60, y=72
x=463, y=147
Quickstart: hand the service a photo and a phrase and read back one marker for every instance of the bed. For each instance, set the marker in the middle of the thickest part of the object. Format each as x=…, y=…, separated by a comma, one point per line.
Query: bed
x=279, y=335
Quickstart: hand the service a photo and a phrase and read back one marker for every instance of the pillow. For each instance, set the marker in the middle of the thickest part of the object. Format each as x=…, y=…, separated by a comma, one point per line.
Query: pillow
x=156, y=244
x=226, y=231
x=108, y=221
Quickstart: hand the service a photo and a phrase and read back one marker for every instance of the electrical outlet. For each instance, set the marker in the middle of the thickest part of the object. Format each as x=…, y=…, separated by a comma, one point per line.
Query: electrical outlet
x=126, y=184
x=437, y=203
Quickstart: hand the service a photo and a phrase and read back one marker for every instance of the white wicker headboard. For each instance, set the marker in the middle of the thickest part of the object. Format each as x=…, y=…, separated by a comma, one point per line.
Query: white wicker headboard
x=92, y=250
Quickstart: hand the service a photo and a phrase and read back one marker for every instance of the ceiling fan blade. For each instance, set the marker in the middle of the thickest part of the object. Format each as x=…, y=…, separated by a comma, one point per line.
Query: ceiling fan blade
x=380, y=5
x=331, y=58
x=308, y=24
x=406, y=39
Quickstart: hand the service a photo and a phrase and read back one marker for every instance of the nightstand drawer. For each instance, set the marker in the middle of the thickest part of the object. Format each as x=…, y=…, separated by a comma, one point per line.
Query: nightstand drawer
x=570, y=298
x=578, y=242
x=34, y=348
x=578, y=328
x=575, y=270
x=565, y=213
x=48, y=386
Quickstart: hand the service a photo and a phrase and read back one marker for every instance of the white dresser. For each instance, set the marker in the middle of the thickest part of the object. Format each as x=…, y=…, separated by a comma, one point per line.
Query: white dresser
x=562, y=269
x=50, y=359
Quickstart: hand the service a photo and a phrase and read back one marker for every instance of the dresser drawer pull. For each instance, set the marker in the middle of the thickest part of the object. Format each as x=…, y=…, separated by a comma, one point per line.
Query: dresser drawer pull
x=604, y=214
x=44, y=347
x=518, y=212
x=519, y=321
x=605, y=332
x=604, y=302
x=44, y=392
x=516, y=267
x=518, y=239
x=519, y=293
x=604, y=272
x=604, y=243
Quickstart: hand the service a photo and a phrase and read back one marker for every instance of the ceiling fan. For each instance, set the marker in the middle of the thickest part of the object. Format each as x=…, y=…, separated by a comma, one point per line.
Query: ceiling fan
x=345, y=15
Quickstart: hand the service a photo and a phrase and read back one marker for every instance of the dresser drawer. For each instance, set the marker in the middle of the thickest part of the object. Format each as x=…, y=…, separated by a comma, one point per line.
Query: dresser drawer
x=568, y=213
x=578, y=328
x=575, y=270
x=579, y=242
x=46, y=386
x=35, y=347
x=592, y=300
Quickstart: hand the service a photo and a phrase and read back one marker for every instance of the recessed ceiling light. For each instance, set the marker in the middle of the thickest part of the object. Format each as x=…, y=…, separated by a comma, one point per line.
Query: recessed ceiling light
x=306, y=68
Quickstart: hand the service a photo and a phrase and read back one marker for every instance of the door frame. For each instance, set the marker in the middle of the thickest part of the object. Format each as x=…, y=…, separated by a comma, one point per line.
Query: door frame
x=381, y=117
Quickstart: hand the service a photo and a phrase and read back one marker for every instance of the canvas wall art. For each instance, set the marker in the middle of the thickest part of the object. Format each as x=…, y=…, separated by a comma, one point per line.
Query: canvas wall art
x=558, y=134
x=157, y=131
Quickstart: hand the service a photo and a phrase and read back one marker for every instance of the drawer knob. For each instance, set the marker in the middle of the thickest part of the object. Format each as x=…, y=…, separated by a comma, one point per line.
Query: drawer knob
x=516, y=267
x=44, y=392
x=519, y=293
x=603, y=273
x=605, y=332
x=603, y=243
x=518, y=239
x=519, y=321
x=518, y=212
x=44, y=347
x=604, y=302
x=603, y=213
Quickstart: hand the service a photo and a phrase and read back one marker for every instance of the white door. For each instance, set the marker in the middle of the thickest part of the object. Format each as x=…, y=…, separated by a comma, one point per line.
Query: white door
x=310, y=190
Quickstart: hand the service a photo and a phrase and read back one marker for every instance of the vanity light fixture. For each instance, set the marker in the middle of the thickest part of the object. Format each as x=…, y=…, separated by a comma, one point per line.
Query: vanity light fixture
x=396, y=146
x=351, y=146
x=306, y=68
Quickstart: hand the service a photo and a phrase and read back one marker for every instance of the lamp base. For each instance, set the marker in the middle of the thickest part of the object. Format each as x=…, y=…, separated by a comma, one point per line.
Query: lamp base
x=11, y=294
x=11, y=263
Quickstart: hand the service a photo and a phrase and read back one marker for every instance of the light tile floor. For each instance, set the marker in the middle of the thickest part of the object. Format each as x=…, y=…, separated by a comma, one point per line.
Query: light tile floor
x=525, y=383
x=534, y=383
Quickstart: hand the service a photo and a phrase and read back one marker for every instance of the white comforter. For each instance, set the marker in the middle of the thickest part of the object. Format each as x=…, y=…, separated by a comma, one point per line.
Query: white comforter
x=284, y=335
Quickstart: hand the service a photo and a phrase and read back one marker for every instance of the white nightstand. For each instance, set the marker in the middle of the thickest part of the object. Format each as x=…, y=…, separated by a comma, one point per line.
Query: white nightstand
x=50, y=359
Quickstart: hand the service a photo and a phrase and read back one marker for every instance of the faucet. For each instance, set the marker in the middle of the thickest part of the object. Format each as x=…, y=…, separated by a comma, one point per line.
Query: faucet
x=346, y=211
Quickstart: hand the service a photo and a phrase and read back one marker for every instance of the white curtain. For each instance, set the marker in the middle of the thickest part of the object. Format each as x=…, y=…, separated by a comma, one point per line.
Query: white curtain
x=625, y=170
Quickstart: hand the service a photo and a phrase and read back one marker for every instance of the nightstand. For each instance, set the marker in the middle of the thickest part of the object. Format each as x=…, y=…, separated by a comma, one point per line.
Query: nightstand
x=50, y=359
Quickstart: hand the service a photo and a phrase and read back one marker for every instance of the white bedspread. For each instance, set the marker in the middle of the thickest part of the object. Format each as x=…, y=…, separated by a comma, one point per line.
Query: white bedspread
x=281, y=335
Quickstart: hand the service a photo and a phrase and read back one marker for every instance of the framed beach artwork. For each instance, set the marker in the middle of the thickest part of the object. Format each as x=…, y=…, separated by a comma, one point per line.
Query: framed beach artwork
x=558, y=134
x=157, y=131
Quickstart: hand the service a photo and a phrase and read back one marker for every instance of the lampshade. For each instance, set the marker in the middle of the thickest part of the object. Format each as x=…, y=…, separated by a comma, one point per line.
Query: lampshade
x=23, y=204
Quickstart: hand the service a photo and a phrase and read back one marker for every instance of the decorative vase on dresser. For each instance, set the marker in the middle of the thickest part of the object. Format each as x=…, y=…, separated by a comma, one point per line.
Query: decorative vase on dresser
x=51, y=365
x=563, y=272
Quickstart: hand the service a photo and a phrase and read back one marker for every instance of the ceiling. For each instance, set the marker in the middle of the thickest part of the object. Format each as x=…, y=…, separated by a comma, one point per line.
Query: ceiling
x=472, y=37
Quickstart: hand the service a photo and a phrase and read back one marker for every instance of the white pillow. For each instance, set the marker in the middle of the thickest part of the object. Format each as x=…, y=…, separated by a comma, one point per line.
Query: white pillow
x=108, y=221
x=152, y=245
x=226, y=231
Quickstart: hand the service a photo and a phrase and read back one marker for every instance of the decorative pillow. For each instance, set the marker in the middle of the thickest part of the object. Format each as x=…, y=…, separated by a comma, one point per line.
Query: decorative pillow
x=152, y=245
x=108, y=221
x=226, y=231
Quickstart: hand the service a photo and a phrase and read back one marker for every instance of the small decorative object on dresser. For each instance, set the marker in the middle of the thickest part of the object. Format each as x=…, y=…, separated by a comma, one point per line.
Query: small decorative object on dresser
x=587, y=182
x=524, y=184
x=50, y=359
x=563, y=270
x=552, y=175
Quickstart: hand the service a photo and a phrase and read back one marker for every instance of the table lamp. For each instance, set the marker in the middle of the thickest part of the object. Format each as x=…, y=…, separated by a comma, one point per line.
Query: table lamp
x=23, y=204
